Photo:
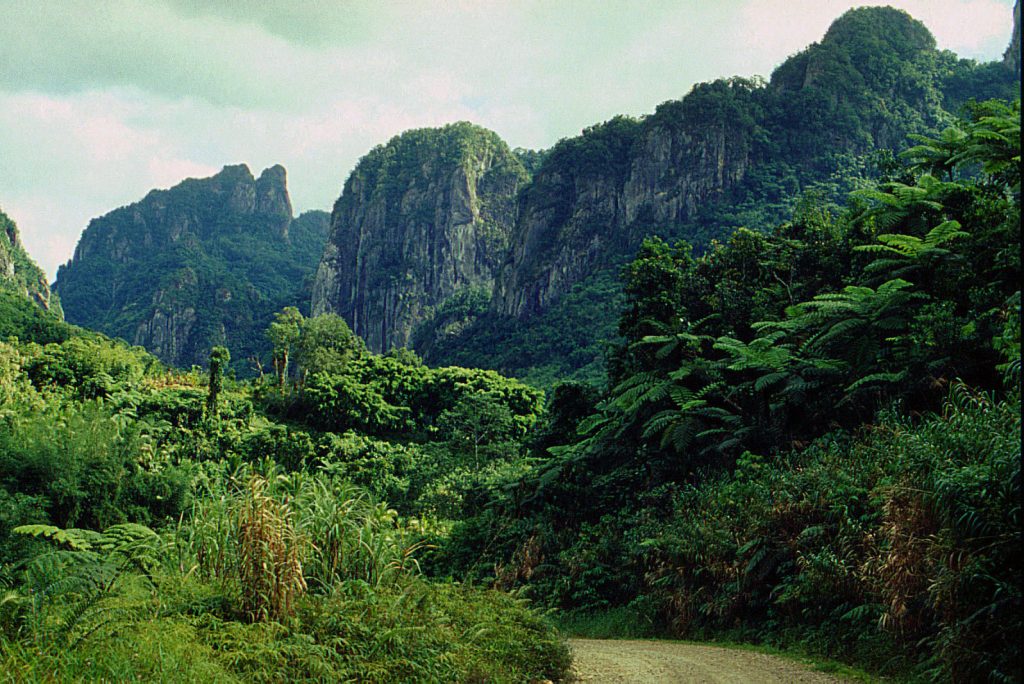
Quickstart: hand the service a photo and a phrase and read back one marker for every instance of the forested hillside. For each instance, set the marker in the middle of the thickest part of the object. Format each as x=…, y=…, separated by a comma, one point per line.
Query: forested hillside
x=206, y=262
x=810, y=436
x=739, y=152
x=768, y=341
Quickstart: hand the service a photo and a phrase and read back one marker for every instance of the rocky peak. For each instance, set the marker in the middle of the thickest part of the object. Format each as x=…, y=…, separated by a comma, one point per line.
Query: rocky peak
x=19, y=272
x=408, y=230
x=272, y=195
x=420, y=218
x=204, y=262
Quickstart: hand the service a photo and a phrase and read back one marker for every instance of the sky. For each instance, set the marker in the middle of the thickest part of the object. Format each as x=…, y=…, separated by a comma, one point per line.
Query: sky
x=103, y=100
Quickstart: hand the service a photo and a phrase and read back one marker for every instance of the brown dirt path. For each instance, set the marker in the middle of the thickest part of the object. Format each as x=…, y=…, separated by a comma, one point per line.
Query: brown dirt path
x=665, y=662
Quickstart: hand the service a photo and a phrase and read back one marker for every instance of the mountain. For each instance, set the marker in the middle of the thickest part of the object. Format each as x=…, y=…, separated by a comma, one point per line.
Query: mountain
x=421, y=219
x=19, y=273
x=29, y=311
x=734, y=152
x=697, y=167
x=206, y=262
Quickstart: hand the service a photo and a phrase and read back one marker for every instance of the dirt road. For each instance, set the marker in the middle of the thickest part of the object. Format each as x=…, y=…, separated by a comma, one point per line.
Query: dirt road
x=666, y=662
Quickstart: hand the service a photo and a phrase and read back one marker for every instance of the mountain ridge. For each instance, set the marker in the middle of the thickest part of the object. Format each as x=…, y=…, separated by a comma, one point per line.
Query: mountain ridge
x=19, y=272
x=733, y=152
x=205, y=262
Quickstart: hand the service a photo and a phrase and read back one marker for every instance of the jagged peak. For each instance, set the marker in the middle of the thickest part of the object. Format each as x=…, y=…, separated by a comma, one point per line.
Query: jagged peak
x=235, y=172
x=276, y=174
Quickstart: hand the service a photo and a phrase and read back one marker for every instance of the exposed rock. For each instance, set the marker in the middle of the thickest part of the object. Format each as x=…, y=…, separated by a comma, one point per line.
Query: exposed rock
x=830, y=101
x=668, y=170
x=206, y=262
x=19, y=272
x=419, y=219
x=1011, y=58
x=409, y=229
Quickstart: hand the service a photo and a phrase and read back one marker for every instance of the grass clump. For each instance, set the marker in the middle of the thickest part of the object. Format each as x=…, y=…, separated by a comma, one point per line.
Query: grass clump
x=278, y=578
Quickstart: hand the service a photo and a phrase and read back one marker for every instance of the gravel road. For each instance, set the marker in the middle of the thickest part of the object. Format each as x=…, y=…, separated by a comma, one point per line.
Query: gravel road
x=665, y=662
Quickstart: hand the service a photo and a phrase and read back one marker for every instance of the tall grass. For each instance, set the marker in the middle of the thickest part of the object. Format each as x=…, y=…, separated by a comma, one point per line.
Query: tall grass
x=273, y=537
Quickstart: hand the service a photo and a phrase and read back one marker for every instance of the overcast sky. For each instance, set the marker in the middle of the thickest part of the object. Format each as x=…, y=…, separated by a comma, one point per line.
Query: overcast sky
x=100, y=101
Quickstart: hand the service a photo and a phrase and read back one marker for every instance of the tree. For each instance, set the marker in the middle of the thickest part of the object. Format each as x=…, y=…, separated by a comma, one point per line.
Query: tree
x=476, y=420
x=326, y=344
x=283, y=333
x=220, y=357
x=405, y=356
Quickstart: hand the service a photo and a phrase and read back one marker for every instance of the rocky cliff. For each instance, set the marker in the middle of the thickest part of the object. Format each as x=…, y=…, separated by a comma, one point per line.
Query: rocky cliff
x=734, y=152
x=689, y=169
x=1011, y=58
x=206, y=262
x=421, y=218
x=19, y=273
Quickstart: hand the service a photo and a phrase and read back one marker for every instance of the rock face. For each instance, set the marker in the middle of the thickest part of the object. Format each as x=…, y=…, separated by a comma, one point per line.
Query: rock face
x=420, y=218
x=674, y=171
x=1011, y=58
x=407, y=231
x=207, y=262
x=596, y=196
x=20, y=273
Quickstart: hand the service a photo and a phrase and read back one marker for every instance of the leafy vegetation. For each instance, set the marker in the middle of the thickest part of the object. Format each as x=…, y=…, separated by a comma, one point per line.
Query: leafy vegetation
x=568, y=341
x=727, y=482
x=804, y=432
x=184, y=526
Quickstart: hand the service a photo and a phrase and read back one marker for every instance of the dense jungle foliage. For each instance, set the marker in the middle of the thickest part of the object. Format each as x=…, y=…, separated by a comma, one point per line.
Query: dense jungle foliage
x=811, y=439
x=184, y=527
x=791, y=419
x=737, y=479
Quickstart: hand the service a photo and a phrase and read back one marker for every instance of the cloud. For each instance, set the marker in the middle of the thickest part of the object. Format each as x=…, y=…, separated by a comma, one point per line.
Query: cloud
x=101, y=101
x=64, y=160
x=774, y=29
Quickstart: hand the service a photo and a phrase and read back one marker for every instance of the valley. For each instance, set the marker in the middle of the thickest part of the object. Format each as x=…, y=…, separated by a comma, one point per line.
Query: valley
x=743, y=370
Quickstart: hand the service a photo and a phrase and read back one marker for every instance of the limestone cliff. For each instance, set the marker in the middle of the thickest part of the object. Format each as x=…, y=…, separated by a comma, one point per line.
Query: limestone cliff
x=206, y=262
x=685, y=170
x=419, y=219
x=1011, y=58
x=18, y=272
x=406, y=233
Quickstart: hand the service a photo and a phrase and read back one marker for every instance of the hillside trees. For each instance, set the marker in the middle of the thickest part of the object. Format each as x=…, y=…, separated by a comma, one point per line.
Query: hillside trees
x=736, y=361
x=284, y=334
x=765, y=334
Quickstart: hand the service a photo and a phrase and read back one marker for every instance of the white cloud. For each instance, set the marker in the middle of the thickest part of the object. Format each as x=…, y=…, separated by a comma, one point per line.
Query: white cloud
x=101, y=101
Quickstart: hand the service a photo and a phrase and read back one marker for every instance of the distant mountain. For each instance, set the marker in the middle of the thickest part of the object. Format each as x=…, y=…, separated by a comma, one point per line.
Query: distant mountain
x=735, y=152
x=19, y=273
x=206, y=262
x=421, y=219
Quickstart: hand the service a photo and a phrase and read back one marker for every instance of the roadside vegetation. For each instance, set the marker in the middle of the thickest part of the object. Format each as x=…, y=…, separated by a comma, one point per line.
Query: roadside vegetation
x=810, y=439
